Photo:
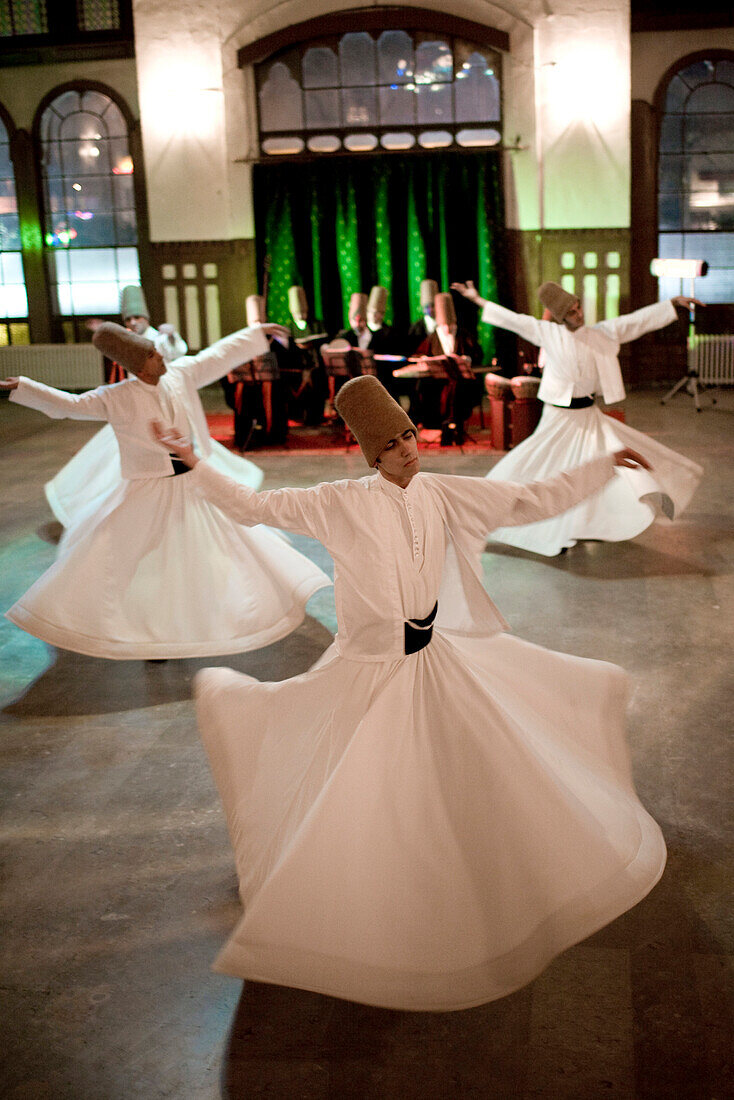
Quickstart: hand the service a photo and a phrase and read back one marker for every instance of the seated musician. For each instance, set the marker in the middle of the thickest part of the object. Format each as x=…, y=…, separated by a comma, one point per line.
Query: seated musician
x=257, y=392
x=436, y=401
x=426, y=325
x=307, y=396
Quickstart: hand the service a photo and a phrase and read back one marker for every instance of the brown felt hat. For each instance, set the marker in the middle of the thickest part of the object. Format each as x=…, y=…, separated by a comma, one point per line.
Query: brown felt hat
x=371, y=414
x=357, y=305
x=556, y=300
x=126, y=348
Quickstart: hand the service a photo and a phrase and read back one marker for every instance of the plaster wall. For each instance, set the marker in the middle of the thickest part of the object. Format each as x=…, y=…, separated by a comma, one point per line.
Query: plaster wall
x=23, y=87
x=567, y=71
x=654, y=52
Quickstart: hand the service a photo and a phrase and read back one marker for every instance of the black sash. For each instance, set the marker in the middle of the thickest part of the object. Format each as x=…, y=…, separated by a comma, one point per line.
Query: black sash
x=418, y=632
x=179, y=467
x=575, y=403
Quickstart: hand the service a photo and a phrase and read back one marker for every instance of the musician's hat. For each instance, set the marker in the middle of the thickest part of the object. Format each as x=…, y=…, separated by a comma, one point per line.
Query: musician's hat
x=255, y=309
x=133, y=303
x=126, y=348
x=556, y=300
x=429, y=290
x=297, y=303
x=358, y=305
x=376, y=305
x=444, y=310
x=371, y=414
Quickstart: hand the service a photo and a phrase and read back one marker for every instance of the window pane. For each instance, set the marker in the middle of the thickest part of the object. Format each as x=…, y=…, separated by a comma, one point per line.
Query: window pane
x=397, y=106
x=395, y=57
x=359, y=106
x=435, y=104
x=320, y=68
x=357, y=60
x=477, y=91
x=677, y=95
x=716, y=98
x=280, y=100
x=671, y=135
x=433, y=63
x=709, y=133
x=322, y=110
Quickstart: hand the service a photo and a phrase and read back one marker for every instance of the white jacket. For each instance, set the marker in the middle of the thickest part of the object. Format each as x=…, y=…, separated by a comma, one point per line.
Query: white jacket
x=130, y=406
x=357, y=523
x=578, y=363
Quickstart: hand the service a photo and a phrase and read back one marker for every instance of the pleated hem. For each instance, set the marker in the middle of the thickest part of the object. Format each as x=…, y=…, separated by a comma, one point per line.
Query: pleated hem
x=452, y=991
x=122, y=650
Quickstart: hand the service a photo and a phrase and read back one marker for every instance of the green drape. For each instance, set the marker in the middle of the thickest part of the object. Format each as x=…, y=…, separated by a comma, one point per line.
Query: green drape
x=341, y=225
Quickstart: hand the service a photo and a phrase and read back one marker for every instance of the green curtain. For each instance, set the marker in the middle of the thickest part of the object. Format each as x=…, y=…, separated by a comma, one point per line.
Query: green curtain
x=342, y=225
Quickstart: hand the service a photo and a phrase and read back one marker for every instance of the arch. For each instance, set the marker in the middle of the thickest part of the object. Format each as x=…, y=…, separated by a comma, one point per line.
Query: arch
x=371, y=19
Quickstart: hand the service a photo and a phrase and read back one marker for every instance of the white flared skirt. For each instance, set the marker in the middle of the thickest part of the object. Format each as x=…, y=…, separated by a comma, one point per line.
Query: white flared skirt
x=427, y=833
x=94, y=472
x=156, y=571
x=627, y=505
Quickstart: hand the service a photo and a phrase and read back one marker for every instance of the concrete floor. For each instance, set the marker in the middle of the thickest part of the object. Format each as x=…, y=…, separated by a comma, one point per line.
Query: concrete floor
x=119, y=885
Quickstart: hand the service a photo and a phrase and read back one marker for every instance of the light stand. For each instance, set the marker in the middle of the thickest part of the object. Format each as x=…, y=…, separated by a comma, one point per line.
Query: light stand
x=684, y=269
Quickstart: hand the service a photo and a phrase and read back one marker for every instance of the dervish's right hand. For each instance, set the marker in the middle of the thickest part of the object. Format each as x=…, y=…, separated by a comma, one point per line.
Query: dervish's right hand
x=174, y=443
x=271, y=329
x=9, y=383
x=630, y=459
x=467, y=290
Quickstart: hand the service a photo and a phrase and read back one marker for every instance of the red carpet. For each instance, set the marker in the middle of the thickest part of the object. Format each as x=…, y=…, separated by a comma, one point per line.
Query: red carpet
x=314, y=441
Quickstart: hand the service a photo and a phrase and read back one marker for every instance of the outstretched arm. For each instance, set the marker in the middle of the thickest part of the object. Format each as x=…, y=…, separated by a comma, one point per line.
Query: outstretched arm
x=57, y=403
x=492, y=314
x=483, y=505
x=304, y=511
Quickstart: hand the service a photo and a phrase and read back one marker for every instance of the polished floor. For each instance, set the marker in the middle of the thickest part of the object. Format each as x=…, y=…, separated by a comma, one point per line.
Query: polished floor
x=118, y=885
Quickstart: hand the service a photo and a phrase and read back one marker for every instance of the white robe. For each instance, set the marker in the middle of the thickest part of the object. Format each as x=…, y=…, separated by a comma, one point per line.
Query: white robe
x=421, y=832
x=580, y=364
x=150, y=569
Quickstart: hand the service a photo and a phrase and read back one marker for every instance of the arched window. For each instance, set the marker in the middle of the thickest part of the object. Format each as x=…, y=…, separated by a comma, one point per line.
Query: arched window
x=367, y=91
x=90, y=227
x=13, y=298
x=696, y=176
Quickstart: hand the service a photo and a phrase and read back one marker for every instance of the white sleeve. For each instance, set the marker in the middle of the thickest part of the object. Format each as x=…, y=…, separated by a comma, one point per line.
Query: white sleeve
x=530, y=328
x=60, y=405
x=632, y=325
x=304, y=511
x=482, y=505
x=228, y=353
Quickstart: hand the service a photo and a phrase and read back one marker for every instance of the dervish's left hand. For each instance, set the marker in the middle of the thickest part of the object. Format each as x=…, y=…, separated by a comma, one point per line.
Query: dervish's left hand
x=174, y=443
x=630, y=459
x=9, y=383
x=468, y=291
x=271, y=329
x=681, y=302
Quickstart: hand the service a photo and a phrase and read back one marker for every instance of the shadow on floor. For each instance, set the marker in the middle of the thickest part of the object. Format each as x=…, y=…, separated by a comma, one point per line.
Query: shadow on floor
x=291, y=1042
x=79, y=685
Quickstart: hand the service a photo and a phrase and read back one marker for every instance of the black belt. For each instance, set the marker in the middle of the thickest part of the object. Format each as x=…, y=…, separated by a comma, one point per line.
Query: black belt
x=418, y=632
x=575, y=403
x=179, y=467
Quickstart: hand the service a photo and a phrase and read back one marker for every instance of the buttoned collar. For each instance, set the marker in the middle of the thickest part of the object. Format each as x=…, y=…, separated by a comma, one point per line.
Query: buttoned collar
x=394, y=491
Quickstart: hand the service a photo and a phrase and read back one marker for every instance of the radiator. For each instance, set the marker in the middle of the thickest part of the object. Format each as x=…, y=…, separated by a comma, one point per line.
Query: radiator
x=712, y=359
x=66, y=366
